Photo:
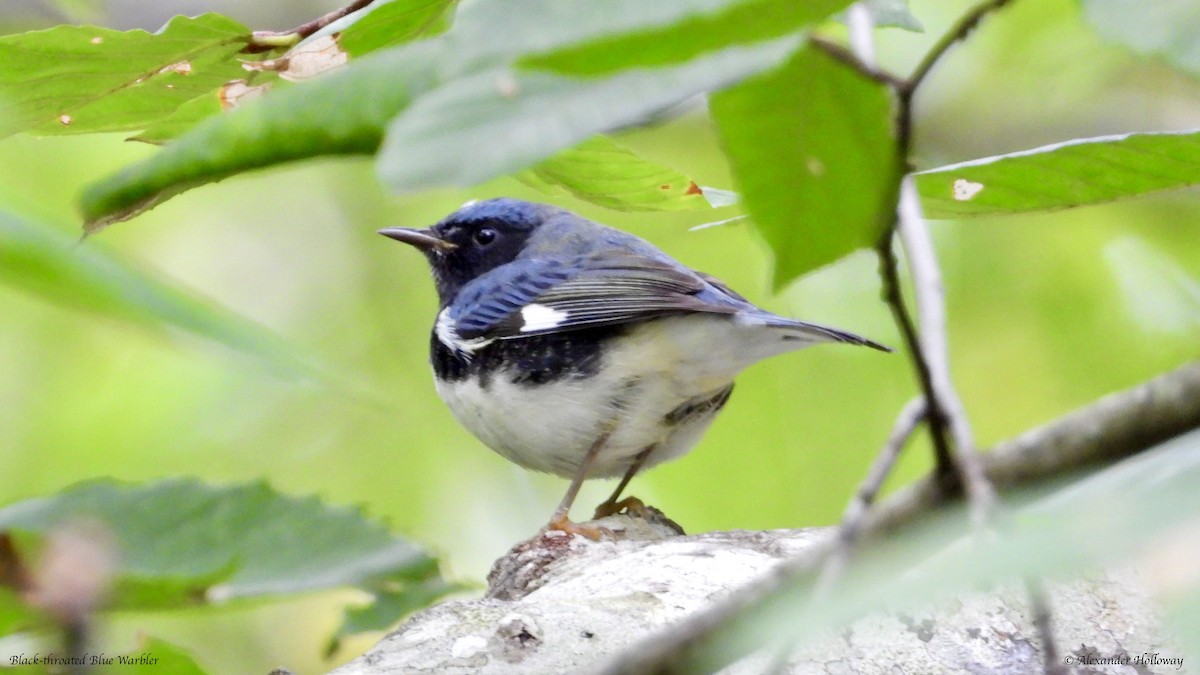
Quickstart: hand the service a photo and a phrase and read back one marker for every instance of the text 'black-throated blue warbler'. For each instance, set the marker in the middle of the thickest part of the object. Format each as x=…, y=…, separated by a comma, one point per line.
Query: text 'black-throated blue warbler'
x=572, y=348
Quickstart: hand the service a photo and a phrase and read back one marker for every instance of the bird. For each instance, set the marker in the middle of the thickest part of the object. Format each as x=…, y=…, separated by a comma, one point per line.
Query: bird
x=576, y=349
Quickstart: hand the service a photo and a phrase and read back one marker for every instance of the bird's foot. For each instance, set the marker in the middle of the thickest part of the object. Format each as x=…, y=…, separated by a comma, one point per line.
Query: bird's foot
x=564, y=524
x=631, y=505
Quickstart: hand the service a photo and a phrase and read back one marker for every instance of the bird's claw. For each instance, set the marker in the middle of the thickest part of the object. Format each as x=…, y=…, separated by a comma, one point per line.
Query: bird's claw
x=631, y=505
x=564, y=524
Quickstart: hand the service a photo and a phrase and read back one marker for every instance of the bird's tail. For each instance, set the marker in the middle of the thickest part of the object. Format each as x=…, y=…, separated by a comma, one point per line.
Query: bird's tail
x=812, y=332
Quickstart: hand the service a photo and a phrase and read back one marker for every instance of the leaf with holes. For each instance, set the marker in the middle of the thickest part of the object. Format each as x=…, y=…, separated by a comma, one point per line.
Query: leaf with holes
x=1064, y=175
x=347, y=112
x=80, y=79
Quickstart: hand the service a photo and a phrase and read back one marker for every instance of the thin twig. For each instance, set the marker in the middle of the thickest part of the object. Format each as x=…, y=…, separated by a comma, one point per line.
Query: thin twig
x=961, y=28
x=856, y=511
x=931, y=306
x=265, y=41
x=889, y=272
x=862, y=39
x=946, y=415
x=847, y=58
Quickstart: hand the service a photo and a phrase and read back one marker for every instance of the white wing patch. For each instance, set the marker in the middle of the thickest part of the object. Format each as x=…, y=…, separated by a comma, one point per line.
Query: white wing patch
x=540, y=317
x=444, y=330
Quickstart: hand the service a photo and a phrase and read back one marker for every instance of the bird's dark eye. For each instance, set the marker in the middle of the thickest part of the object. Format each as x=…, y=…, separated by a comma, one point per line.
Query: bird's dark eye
x=485, y=236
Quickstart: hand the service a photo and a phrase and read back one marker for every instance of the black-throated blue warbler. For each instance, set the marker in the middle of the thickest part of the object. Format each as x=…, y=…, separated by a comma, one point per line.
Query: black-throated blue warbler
x=576, y=349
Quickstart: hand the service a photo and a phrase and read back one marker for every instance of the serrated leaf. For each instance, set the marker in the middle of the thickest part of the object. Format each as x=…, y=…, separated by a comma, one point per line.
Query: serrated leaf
x=388, y=607
x=601, y=171
x=346, y=112
x=1162, y=27
x=255, y=540
x=698, y=28
x=814, y=159
x=1064, y=175
x=82, y=276
x=80, y=79
x=485, y=125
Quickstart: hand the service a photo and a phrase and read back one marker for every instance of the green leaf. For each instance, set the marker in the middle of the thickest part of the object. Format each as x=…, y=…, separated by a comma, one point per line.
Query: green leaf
x=1064, y=175
x=389, y=606
x=79, y=79
x=498, y=121
x=157, y=657
x=82, y=276
x=385, y=24
x=697, y=28
x=814, y=158
x=346, y=112
x=183, y=119
x=15, y=615
x=544, y=26
x=379, y=25
x=183, y=534
x=602, y=172
x=343, y=113
x=1163, y=27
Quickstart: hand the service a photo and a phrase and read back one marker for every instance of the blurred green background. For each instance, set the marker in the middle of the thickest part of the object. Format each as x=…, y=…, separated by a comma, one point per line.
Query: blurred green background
x=1046, y=313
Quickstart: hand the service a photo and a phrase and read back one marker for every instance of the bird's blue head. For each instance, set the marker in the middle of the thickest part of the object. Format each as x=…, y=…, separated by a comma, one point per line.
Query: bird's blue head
x=475, y=239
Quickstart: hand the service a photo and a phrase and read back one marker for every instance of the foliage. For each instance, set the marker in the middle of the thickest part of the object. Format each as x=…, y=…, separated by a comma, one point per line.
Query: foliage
x=55, y=267
x=571, y=98
x=812, y=138
x=183, y=544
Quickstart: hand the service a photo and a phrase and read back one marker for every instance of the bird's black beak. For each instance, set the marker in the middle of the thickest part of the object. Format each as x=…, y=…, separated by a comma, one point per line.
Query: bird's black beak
x=425, y=240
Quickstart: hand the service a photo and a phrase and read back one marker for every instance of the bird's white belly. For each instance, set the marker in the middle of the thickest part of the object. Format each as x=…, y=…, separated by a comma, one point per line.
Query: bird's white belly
x=651, y=372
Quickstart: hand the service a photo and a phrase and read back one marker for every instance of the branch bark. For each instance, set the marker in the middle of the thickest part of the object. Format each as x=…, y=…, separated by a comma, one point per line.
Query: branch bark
x=1116, y=426
x=592, y=600
x=265, y=41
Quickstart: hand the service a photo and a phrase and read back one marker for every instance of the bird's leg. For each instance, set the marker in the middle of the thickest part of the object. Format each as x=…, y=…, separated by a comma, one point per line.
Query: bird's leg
x=611, y=506
x=560, y=521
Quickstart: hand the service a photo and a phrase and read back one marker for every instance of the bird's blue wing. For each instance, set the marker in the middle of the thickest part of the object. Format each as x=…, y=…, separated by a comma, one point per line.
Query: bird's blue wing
x=534, y=297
